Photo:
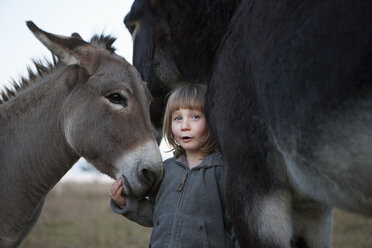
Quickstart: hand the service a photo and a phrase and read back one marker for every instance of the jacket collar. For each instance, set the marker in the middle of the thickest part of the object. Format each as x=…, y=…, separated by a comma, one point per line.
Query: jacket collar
x=213, y=159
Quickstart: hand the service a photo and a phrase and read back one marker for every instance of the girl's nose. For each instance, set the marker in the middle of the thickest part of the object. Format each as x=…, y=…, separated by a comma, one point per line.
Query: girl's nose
x=185, y=125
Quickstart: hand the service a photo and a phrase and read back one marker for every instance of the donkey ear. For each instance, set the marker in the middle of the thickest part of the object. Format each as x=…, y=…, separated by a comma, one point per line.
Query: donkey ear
x=63, y=46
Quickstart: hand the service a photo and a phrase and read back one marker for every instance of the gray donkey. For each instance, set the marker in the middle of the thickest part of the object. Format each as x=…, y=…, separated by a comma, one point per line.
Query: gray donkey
x=94, y=105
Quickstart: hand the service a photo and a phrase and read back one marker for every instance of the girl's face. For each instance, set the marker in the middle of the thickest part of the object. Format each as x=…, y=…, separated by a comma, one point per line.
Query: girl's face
x=189, y=129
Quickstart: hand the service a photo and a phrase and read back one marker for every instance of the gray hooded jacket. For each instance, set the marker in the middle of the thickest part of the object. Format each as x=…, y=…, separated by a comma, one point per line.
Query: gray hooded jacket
x=189, y=208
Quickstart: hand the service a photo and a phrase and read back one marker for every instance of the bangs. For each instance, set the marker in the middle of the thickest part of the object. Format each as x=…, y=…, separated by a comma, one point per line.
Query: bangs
x=190, y=97
x=193, y=102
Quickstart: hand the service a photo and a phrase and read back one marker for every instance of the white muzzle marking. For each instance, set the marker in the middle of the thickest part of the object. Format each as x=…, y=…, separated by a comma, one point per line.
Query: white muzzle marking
x=145, y=157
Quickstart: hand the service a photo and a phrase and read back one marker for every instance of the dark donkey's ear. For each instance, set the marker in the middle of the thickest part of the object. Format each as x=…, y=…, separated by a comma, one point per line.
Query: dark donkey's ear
x=71, y=50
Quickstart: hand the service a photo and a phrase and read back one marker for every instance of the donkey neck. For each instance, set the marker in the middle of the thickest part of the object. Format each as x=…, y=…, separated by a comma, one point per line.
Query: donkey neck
x=33, y=149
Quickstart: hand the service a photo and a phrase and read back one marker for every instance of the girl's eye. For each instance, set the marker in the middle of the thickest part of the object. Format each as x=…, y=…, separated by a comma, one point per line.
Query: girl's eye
x=195, y=117
x=177, y=118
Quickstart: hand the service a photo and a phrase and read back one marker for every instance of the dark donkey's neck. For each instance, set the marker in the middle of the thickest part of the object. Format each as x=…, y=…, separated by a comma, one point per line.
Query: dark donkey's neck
x=34, y=154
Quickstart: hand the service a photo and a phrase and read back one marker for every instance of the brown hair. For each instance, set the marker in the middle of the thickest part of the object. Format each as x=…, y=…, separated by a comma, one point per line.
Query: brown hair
x=189, y=96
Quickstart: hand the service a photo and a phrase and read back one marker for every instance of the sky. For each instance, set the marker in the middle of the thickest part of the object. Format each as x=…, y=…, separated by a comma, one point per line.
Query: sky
x=86, y=17
x=18, y=46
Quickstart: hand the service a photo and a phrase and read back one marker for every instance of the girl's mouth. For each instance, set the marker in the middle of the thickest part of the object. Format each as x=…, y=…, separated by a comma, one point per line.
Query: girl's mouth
x=186, y=138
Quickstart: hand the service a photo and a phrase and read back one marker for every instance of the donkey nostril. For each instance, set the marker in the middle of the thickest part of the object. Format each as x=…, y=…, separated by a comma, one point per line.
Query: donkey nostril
x=147, y=177
x=145, y=174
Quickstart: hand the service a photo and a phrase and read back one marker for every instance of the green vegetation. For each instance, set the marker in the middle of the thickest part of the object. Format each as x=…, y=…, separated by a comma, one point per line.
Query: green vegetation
x=79, y=215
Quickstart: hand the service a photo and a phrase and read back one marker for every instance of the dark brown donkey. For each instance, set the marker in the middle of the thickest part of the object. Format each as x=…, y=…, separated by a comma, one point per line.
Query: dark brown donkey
x=289, y=101
x=94, y=105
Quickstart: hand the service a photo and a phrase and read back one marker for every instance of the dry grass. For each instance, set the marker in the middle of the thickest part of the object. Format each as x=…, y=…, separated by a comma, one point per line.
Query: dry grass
x=351, y=230
x=79, y=215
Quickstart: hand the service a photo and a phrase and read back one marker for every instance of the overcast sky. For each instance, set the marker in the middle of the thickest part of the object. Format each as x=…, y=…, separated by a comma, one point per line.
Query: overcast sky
x=87, y=17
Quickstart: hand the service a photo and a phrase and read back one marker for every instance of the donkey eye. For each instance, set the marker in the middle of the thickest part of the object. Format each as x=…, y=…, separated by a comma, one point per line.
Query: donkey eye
x=131, y=28
x=131, y=25
x=117, y=98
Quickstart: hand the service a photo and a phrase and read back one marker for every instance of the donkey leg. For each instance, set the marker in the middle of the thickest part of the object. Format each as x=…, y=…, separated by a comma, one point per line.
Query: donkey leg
x=259, y=204
x=313, y=223
x=272, y=219
x=262, y=221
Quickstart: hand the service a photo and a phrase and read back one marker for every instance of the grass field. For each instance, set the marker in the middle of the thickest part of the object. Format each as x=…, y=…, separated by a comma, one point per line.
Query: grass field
x=79, y=215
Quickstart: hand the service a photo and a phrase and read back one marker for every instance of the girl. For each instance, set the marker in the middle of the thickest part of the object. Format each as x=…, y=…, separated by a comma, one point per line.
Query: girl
x=189, y=209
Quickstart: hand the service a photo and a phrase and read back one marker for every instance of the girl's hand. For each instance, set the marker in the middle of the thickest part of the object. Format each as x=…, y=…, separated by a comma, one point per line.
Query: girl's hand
x=116, y=193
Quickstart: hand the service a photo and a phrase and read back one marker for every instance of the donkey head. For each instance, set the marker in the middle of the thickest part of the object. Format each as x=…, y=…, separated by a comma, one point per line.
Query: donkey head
x=105, y=117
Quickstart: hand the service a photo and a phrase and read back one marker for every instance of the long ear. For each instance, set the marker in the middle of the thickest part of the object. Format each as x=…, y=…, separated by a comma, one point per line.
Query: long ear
x=71, y=50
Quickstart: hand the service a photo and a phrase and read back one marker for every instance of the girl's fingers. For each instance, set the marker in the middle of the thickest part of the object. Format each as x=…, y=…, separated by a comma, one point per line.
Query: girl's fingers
x=115, y=187
x=118, y=193
x=118, y=182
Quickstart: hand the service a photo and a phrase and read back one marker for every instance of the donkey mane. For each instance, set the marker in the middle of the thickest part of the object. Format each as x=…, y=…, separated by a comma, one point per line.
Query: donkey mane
x=44, y=68
x=105, y=41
